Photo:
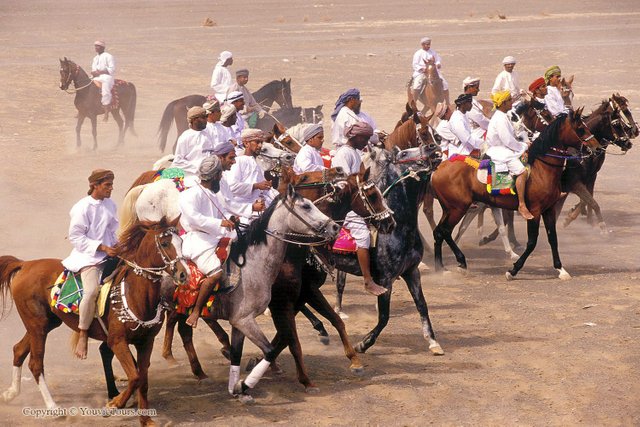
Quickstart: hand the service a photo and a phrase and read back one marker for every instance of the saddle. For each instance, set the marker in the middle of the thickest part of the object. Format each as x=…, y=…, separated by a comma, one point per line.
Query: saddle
x=345, y=243
x=115, y=101
x=66, y=293
x=497, y=182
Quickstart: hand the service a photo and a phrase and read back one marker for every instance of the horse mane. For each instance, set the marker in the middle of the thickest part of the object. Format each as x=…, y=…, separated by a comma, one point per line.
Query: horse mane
x=547, y=138
x=131, y=238
x=254, y=234
x=405, y=132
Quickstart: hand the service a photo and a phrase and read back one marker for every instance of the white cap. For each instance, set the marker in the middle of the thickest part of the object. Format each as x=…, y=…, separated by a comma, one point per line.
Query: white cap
x=508, y=60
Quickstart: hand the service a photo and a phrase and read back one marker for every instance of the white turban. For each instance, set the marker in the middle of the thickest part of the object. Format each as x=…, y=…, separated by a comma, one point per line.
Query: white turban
x=224, y=55
x=252, y=134
x=470, y=81
x=425, y=40
x=227, y=111
x=508, y=60
x=312, y=131
x=234, y=96
x=99, y=43
x=209, y=168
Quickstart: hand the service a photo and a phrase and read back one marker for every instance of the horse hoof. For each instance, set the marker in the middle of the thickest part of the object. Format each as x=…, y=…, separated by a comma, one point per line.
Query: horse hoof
x=462, y=270
x=171, y=360
x=360, y=347
x=9, y=395
x=357, y=370
x=563, y=275
x=246, y=399
x=312, y=389
x=510, y=276
x=324, y=339
x=436, y=350
x=205, y=380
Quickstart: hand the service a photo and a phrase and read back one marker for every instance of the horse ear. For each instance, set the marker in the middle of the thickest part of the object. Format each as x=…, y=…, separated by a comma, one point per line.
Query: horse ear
x=367, y=173
x=291, y=192
x=413, y=106
x=408, y=109
x=319, y=108
x=175, y=221
x=276, y=130
x=416, y=118
x=570, y=79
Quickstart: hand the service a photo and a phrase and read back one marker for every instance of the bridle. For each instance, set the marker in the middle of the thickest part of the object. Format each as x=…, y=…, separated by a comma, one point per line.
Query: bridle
x=284, y=136
x=71, y=77
x=290, y=236
x=155, y=274
x=363, y=187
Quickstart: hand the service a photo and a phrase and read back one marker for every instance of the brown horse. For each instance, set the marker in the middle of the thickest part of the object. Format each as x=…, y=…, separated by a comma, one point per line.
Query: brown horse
x=412, y=130
x=133, y=316
x=433, y=91
x=456, y=187
x=278, y=91
x=88, y=96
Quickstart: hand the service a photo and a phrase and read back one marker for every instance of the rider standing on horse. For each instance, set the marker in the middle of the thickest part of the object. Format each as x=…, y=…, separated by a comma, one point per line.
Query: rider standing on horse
x=103, y=69
x=308, y=158
x=424, y=56
x=92, y=232
x=478, y=121
x=554, y=101
x=505, y=149
x=465, y=142
x=206, y=221
x=221, y=76
x=346, y=113
x=348, y=158
x=252, y=111
x=508, y=80
x=193, y=146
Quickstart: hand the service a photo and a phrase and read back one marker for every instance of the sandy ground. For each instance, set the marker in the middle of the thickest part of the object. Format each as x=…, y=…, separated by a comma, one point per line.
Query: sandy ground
x=537, y=351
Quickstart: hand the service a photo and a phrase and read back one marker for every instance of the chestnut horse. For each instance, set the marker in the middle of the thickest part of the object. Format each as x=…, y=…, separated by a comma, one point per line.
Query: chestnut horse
x=88, y=100
x=433, y=91
x=134, y=313
x=278, y=91
x=456, y=187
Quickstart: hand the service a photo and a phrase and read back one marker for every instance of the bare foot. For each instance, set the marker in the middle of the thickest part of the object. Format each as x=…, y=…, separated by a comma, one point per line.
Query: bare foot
x=373, y=288
x=81, y=346
x=525, y=212
x=192, y=320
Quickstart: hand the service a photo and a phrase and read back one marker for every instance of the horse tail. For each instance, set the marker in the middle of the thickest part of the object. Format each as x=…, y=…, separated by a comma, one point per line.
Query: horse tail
x=9, y=265
x=165, y=124
x=130, y=111
x=128, y=215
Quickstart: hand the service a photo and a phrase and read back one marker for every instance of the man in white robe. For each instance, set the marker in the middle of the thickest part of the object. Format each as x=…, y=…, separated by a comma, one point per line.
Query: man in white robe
x=308, y=158
x=465, y=142
x=252, y=110
x=206, y=221
x=421, y=58
x=346, y=113
x=221, y=77
x=478, y=121
x=348, y=158
x=217, y=131
x=508, y=80
x=193, y=146
x=505, y=149
x=443, y=129
x=92, y=232
x=538, y=89
x=237, y=100
x=554, y=101
x=246, y=191
x=103, y=69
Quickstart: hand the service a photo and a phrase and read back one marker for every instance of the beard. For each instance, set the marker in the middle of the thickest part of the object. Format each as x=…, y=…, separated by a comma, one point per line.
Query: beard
x=200, y=126
x=356, y=109
x=215, y=186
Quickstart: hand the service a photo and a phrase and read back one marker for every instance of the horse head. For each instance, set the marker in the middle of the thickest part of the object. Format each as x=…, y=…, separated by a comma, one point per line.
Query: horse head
x=620, y=106
x=368, y=202
x=305, y=218
x=272, y=159
x=283, y=97
x=67, y=73
x=582, y=136
x=285, y=139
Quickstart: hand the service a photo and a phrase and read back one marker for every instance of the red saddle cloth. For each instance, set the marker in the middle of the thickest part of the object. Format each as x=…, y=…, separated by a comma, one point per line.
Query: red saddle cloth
x=345, y=243
x=185, y=296
x=326, y=157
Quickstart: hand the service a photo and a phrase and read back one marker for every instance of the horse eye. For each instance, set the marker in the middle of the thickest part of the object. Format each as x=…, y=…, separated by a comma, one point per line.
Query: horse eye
x=164, y=244
x=306, y=206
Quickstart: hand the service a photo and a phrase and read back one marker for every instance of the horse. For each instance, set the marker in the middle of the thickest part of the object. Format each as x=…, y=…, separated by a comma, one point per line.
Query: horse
x=88, y=101
x=433, y=91
x=456, y=187
x=412, y=130
x=278, y=91
x=290, y=116
x=133, y=315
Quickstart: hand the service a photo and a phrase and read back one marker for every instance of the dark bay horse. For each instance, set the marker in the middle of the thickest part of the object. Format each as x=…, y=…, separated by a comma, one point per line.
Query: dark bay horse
x=456, y=187
x=278, y=91
x=148, y=251
x=290, y=117
x=88, y=101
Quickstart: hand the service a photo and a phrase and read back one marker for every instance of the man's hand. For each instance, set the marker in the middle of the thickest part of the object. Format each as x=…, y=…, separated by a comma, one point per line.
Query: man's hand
x=261, y=114
x=264, y=185
x=258, y=205
x=227, y=224
x=108, y=250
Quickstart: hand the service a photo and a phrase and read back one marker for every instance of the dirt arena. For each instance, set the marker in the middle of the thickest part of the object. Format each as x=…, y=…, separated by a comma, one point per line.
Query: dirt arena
x=536, y=351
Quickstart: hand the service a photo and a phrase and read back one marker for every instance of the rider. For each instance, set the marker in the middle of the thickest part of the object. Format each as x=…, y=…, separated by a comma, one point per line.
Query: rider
x=252, y=110
x=92, y=232
x=421, y=58
x=555, y=103
x=538, y=89
x=508, y=80
x=215, y=129
x=221, y=77
x=465, y=143
x=478, y=121
x=193, y=145
x=236, y=99
x=308, y=158
x=346, y=113
x=348, y=158
x=103, y=68
x=226, y=153
x=244, y=186
x=505, y=149
x=443, y=129
x=204, y=218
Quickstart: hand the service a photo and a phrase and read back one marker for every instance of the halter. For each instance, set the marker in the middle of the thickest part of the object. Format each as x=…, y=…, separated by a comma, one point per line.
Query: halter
x=158, y=272
x=284, y=136
x=71, y=77
x=285, y=237
x=376, y=216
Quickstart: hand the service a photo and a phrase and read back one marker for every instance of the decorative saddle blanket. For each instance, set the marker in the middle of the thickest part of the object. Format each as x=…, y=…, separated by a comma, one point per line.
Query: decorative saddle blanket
x=345, y=243
x=66, y=294
x=185, y=296
x=115, y=99
x=175, y=174
x=497, y=182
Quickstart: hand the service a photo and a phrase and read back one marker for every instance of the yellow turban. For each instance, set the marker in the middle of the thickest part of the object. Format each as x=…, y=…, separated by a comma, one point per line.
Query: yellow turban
x=498, y=98
x=551, y=71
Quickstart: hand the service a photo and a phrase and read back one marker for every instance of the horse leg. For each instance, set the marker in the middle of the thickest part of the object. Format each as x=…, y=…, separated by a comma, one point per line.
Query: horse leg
x=341, y=281
x=384, y=301
x=121, y=349
x=186, y=334
x=106, y=355
x=466, y=221
x=222, y=336
x=317, y=300
x=237, y=344
x=533, y=229
x=36, y=364
x=316, y=323
x=119, y=121
x=144, y=351
x=587, y=198
x=81, y=118
x=94, y=131
x=427, y=206
x=508, y=216
x=560, y=204
x=502, y=230
x=414, y=284
x=549, y=218
x=480, y=225
x=20, y=352
x=167, y=352
x=249, y=327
